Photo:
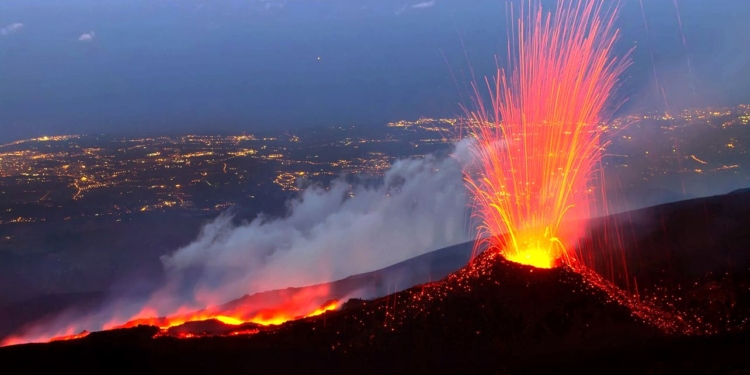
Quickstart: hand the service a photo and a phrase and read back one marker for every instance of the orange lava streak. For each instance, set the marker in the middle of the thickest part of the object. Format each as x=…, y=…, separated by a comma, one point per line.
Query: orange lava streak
x=263, y=317
x=71, y=337
x=538, y=146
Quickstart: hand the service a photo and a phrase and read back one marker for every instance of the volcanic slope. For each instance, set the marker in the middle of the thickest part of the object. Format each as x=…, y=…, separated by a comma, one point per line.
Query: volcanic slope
x=490, y=316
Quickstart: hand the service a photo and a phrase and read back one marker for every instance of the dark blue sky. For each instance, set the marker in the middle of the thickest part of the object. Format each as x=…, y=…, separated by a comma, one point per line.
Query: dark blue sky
x=165, y=66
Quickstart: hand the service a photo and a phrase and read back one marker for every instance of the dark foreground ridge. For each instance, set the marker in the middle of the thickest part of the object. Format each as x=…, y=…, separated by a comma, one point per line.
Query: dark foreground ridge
x=491, y=317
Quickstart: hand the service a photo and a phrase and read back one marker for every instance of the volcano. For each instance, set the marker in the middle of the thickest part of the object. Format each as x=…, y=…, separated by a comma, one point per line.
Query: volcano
x=689, y=314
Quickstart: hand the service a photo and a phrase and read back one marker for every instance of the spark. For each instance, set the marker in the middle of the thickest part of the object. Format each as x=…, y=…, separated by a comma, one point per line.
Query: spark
x=538, y=144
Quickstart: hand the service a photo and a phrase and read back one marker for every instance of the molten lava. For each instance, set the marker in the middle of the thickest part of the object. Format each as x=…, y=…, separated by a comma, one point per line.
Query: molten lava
x=534, y=256
x=539, y=145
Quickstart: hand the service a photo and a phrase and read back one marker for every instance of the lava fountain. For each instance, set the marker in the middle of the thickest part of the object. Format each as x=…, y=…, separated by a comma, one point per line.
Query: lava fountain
x=539, y=141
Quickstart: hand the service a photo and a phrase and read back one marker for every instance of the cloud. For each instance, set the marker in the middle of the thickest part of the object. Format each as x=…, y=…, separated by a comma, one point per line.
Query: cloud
x=423, y=5
x=12, y=28
x=426, y=4
x=87, y=37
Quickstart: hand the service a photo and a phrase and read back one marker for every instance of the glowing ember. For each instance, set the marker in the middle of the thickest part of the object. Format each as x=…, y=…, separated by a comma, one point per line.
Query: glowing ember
x=539, y=145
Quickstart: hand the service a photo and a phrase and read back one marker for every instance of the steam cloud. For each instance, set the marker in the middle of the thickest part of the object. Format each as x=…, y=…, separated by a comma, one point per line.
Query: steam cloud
x=331, y=233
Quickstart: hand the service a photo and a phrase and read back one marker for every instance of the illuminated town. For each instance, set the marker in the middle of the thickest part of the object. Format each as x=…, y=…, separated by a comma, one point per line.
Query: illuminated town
x=71, y=177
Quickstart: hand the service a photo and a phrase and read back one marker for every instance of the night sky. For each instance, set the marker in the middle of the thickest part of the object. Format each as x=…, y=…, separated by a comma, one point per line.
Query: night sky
x=167, y=66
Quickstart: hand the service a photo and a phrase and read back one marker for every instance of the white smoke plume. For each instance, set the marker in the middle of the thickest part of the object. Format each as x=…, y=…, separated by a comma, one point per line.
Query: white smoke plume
x=331, y=233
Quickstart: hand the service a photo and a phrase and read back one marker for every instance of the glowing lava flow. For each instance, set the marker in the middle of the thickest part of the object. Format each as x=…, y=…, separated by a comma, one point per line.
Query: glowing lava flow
x=539, y=144
x=263, y=317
